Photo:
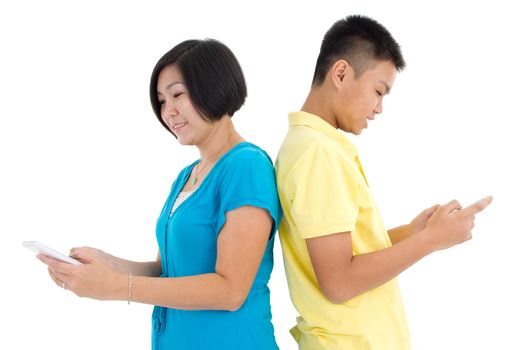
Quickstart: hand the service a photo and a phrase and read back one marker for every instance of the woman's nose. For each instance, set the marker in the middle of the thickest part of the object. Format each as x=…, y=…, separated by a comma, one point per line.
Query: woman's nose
x=169, y=110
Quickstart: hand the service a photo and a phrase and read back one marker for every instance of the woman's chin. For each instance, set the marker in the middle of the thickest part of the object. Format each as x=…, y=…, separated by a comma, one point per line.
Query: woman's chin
x=185, y=142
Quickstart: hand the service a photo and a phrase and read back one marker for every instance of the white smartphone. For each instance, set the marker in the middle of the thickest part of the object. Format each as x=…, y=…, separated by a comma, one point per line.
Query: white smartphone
x=40, y=248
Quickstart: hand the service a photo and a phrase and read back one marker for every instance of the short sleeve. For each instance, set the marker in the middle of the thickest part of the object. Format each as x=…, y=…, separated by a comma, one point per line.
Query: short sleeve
x=322, y=193
x=249, y=179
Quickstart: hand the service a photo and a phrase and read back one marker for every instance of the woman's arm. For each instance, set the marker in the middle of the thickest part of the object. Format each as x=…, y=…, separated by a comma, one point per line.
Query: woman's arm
x=241, y=245
x=147, y=268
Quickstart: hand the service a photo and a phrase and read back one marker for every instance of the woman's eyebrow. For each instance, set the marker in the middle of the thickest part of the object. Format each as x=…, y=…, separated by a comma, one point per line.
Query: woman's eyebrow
x=171, y=85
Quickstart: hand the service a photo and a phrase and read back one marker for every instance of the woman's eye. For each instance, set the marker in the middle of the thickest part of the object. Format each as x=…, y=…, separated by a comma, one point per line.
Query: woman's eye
x=177, y=94
x=379, y=93
x=161, y=103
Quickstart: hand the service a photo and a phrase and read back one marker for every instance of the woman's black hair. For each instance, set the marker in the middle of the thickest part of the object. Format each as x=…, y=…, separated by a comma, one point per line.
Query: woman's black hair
x=212, y=75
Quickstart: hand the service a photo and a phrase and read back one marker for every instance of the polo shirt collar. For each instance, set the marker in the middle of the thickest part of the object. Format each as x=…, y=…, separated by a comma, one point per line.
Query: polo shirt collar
x=319, y=124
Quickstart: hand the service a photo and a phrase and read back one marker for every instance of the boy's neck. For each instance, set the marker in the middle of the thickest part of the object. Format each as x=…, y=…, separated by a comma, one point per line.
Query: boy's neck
x=319, y=103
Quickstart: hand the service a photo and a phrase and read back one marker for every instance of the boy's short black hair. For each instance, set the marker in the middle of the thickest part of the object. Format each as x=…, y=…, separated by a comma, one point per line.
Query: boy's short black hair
x=359, y=40
x=212, y=75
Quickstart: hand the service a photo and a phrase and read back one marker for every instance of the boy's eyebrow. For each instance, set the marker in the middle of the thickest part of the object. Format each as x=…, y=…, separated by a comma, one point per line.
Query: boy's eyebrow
x=387, y=87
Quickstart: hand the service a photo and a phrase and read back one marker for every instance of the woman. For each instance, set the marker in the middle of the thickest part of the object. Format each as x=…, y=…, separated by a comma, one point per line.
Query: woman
x=216, y=231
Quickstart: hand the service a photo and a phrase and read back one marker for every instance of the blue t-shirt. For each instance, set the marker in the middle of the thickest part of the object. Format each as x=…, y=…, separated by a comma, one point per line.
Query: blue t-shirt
x=187, y=242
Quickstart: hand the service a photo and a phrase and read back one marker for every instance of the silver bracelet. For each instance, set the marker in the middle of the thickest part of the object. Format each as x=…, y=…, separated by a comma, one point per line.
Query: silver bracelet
x=129, y=288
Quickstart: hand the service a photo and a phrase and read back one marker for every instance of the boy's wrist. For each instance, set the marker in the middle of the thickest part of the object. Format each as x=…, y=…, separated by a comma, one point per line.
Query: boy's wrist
x=424, y=241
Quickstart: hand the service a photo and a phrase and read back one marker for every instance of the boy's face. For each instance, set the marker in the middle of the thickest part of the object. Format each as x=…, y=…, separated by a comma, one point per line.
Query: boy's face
x=359, y=100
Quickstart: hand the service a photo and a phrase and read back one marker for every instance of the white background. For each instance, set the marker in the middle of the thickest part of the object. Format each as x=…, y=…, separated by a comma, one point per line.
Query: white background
x=85, y=162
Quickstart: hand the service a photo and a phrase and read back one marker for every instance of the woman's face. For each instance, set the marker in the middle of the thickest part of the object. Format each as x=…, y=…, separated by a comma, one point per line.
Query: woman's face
x=177, y=110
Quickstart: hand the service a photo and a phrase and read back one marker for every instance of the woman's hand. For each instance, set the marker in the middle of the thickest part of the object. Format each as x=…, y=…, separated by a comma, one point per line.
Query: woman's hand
x=95, y=278
x=99, y=254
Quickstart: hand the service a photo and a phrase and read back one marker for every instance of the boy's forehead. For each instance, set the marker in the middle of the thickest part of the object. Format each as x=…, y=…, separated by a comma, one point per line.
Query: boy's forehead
x=383, y=71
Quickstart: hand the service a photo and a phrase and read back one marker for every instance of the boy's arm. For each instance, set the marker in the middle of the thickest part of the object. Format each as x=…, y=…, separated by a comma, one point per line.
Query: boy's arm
x=342, y=275
x=400, y=233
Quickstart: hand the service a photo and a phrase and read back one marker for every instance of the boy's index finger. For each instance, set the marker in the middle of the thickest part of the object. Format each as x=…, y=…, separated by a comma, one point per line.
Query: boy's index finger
x=478, y=206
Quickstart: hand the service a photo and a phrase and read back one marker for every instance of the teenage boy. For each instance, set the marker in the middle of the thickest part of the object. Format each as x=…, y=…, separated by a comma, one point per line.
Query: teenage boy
x=340, y=261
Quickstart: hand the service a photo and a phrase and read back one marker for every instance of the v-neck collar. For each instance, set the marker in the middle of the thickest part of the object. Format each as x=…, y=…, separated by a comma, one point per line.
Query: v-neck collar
x=205, y=180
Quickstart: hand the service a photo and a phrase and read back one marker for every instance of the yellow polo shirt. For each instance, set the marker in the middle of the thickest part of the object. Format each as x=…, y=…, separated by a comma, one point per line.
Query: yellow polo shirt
x=323, y=190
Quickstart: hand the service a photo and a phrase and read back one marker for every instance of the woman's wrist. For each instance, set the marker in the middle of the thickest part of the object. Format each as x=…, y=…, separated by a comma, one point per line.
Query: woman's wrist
x=129, y=288
x=123, y=287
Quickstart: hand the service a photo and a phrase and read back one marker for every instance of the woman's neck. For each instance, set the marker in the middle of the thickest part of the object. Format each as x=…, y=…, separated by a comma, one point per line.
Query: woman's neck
x=222, y=139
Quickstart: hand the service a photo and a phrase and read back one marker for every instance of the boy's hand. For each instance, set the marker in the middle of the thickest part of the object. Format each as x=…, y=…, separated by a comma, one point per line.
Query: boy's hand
x=418, y=224
x=451, y=224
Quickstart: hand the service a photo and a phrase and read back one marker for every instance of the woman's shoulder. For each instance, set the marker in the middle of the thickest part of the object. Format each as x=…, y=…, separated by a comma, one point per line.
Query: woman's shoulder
x=246, y=152
x=245, y=161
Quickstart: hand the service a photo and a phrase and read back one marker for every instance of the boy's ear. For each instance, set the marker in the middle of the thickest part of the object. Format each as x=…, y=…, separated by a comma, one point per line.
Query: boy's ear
x=338, y=72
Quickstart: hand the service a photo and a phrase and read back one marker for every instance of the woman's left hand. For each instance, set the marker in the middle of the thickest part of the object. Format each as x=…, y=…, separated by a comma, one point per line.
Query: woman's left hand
x=93, y=279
